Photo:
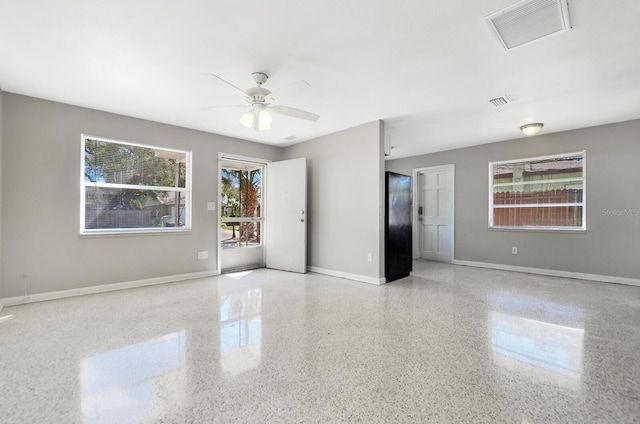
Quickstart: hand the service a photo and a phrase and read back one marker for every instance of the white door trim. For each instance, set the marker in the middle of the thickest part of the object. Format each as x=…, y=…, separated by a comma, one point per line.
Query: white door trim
x=416, y=230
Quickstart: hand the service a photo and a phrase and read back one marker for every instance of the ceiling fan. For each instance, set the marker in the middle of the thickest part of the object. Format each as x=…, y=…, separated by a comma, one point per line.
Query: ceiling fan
x=261, y=100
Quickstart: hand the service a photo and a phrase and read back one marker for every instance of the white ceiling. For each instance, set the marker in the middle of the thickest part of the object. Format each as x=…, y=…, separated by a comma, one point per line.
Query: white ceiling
x=425, y=67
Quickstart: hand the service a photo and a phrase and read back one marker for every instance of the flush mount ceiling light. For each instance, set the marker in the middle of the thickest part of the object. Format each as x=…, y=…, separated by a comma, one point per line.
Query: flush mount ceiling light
x=531, y=129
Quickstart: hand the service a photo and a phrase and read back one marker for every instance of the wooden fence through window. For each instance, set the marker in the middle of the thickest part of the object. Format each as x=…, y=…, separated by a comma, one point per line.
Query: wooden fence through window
x=537, y=215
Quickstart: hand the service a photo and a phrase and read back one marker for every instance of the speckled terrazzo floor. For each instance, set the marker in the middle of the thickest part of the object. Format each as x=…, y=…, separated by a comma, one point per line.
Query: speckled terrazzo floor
x=462, y=345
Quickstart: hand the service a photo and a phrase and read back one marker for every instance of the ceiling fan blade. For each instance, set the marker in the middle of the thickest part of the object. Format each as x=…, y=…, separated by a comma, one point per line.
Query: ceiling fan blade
x=238, y=90
x=295, y=113
x=289, y=90
x=219, y=107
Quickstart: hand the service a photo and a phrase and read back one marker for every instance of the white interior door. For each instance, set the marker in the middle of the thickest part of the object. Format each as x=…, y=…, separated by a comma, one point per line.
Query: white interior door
x=435, y=213
x=286, y=215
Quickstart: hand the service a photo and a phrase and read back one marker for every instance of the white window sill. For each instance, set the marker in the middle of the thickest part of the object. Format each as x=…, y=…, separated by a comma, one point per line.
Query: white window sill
x=540, y=230
x=136, y=233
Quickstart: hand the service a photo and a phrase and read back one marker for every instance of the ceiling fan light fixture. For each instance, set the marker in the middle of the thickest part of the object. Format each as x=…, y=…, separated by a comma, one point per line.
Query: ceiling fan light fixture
x=531, y=129
x=264, y=117
x=263, y=127
x=247, y=119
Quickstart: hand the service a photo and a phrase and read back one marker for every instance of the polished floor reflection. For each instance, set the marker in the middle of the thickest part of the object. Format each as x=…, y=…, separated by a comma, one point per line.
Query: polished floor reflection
x=123, y=385
x=450, y=345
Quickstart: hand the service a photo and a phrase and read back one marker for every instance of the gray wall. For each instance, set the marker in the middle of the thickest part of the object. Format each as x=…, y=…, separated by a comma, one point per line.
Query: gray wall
x=41, y=198
x=611, y=244
x=345, y=199
x=1, y=148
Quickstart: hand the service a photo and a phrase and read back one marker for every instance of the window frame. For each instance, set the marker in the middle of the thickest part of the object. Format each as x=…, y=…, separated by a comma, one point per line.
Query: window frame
x=583, y=204
x=187, y=189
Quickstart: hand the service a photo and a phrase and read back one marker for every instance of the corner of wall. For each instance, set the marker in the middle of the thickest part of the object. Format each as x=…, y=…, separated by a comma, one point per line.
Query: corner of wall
x=381, y=195
x=344, y=166
x=1, y=147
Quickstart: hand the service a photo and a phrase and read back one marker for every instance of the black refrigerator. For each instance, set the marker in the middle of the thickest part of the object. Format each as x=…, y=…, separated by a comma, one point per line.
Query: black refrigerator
x=397, y=231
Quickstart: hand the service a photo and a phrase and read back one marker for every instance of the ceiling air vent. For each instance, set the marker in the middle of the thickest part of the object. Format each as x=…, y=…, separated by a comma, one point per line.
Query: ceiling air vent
x=500, y=101
x=528, y=21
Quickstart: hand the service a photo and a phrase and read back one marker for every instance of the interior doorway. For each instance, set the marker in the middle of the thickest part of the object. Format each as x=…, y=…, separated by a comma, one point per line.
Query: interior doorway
x=241, y=220
x=433, y=234
x=262, y=216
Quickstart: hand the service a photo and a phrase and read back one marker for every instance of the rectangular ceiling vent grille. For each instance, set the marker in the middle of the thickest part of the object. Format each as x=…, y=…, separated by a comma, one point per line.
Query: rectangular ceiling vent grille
x=500, y=101
x=528, y=21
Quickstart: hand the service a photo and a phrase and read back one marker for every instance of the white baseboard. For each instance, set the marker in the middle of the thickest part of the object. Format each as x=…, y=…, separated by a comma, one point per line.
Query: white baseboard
x=552, y=272
x=61, y=294
x=346, y=275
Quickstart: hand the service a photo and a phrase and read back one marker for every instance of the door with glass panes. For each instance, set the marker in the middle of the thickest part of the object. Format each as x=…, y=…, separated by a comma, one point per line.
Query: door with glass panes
x=241, y=215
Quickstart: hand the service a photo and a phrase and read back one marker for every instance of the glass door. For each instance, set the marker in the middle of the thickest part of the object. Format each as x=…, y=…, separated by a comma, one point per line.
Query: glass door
x=241, y=217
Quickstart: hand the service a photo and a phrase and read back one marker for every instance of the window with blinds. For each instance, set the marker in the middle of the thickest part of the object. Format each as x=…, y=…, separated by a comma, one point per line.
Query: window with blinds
x=129, y=187
x=545, y=192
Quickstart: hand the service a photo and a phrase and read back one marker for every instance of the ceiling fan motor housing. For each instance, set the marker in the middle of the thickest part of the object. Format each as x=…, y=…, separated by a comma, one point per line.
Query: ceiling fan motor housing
x=258, y=94
x=260, y=77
